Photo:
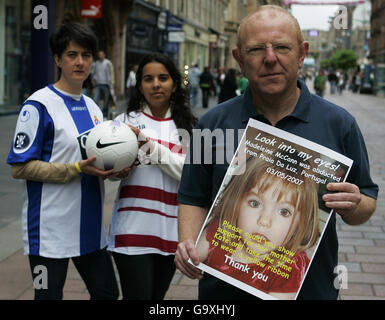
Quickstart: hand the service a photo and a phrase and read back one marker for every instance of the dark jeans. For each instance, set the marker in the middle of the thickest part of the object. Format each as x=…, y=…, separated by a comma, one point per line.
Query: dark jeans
x=144, y=277
x=102, y=89
x=212, y=288
x=205, y=97
x=96, y=270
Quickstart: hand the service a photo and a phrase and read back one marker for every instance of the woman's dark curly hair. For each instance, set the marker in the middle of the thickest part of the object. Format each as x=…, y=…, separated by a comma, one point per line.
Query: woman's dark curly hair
x=180, y=109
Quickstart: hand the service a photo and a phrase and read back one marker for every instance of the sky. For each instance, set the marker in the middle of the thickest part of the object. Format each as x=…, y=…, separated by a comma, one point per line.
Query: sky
x=317, y=16
x=314, y=16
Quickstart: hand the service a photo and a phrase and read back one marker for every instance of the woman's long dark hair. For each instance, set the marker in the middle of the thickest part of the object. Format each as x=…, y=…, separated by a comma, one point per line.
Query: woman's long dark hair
x=180, y=109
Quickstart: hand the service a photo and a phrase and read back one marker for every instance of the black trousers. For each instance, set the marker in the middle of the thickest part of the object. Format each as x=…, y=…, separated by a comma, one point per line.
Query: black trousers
x=212, y=288
x=144, y=277
x=205, y=97
x=96, y=270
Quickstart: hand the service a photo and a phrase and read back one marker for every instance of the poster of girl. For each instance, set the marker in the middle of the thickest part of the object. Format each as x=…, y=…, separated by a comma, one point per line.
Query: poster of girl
x=261, y=226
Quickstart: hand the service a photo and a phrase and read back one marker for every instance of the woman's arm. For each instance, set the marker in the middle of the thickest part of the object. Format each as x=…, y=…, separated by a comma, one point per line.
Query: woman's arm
x=170, y=163
x=41, y=171
x=53, y=172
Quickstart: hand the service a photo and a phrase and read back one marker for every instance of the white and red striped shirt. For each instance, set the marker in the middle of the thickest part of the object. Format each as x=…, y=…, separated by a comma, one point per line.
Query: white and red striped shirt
x=144, y=219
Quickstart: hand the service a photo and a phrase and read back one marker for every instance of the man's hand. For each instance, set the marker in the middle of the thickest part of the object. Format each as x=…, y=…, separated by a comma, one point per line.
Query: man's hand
x=346, y=198
x=349, y=203
x=190, y=221
x=186, y=250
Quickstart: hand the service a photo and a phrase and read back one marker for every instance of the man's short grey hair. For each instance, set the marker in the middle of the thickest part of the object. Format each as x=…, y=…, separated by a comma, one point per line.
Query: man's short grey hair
x=274, y=10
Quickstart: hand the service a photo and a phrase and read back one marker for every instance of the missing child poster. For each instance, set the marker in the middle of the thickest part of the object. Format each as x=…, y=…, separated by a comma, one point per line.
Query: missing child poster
x=266, y=222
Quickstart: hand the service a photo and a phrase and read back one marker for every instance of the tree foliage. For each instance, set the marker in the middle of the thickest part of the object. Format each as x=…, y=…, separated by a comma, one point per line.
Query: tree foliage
x=342, y=59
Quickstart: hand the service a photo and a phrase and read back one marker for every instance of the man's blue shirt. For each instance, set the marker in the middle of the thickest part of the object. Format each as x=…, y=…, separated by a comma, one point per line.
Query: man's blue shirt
x=314, y=119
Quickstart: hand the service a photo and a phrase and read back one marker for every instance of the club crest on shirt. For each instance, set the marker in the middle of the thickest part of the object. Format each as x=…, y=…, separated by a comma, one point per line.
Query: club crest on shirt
x=25, y=115
x=96, y=120
x=22, y=141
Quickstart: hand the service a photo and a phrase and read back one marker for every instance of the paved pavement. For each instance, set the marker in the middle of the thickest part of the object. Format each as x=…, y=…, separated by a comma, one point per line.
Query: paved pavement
x=15, y=275
x=362, y=248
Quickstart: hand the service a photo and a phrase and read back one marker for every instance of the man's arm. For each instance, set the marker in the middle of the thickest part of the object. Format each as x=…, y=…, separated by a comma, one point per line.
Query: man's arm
x=190, y=221
x=354, y=207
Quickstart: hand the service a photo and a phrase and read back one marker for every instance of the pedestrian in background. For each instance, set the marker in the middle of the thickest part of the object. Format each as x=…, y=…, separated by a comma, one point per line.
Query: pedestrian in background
x=229, y=87
x=63, y=195
x=242, y=83
x=131, y=80
x=341, y=82
x=194, y=76
x=356, y=81
x=143, y=234
x=333, y=79
x=103, y=77
x=214, y=74
x=205, y=83
x=270, y=51
x=319, y=83
x=221, y=77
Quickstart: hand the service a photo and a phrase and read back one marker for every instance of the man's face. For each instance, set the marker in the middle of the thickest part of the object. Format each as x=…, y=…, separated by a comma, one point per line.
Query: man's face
x=101, y=55
x=270, y=55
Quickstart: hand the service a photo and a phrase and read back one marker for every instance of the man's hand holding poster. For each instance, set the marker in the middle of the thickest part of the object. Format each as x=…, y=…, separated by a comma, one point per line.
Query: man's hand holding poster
x=268, y=217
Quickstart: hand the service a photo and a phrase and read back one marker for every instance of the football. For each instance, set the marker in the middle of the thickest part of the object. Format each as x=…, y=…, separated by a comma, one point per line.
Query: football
x=114, y=144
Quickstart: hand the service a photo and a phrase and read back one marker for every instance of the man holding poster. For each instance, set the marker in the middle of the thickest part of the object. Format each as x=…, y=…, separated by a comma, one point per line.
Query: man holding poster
x=270, y=51
x=262, y=224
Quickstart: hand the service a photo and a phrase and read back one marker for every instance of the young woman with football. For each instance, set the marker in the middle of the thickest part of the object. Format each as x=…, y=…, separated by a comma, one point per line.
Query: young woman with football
x=63, y=194
x=143, y=233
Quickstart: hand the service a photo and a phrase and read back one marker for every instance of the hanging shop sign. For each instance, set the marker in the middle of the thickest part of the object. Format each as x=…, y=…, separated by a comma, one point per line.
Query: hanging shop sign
x=91, y=9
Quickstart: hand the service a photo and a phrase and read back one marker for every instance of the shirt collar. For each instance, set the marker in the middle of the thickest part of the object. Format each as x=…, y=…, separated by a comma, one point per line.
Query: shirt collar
x=301, y=110
x=146, y=109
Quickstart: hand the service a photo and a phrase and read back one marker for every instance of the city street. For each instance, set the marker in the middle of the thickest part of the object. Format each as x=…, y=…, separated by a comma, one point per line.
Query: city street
x=362, y=248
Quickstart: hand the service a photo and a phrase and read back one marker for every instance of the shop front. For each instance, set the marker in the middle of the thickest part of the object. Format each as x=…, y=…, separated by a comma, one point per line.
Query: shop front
x=175, y=36
x=142, y=33
x=379, y=75
x=15, y=39
x=195, y=49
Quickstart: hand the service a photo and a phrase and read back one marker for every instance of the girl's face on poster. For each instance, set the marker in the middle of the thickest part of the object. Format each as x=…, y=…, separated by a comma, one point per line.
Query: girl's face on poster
x=266, y=216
